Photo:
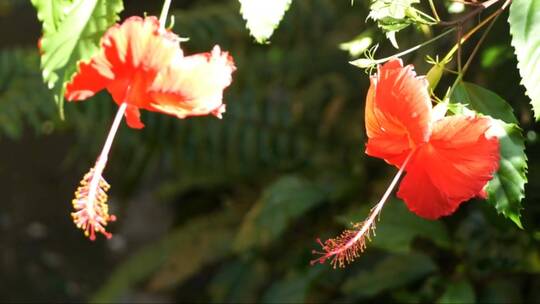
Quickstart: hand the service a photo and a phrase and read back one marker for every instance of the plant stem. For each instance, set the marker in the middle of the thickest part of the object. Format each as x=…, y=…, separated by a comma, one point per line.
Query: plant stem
x=493, y=17
x=469, y=34
x=112, y=132
x=434, y=10
x=383, y=60
x=102, y=159
x=482, y=6
x=164, y=13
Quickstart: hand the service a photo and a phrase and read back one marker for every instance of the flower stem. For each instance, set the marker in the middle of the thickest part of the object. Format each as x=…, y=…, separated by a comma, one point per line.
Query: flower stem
x=164, y=13
x=102, y=159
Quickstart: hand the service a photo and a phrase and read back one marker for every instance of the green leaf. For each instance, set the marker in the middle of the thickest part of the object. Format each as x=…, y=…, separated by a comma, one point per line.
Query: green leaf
x=179, y=255
x=458, y=292
x=263, y=16
x=484, y=101
x=507, y=188
x=524, y=22
x=71, y=33
x=393, y=272
x=281, y=203
x=393, y=16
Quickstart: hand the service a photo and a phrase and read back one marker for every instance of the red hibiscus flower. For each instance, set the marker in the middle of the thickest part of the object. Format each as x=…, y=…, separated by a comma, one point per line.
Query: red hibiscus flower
x=452, y=157
x=447, y=160
x=142, y=65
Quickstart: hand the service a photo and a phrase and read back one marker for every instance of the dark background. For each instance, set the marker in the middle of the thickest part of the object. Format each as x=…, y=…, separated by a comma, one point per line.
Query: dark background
x=229, y=210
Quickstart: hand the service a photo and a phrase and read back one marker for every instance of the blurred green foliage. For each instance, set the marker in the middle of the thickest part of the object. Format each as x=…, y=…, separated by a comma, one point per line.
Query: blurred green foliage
x=252, y=192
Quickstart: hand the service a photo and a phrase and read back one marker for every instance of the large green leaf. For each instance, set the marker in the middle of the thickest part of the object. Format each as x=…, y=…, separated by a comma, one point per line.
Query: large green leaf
x=484, y=101
x=263, y=16
x=71, y=32
x=507, y=188
x=392, y=272
x=524, y=22
x=176, y=257
x=281, y=203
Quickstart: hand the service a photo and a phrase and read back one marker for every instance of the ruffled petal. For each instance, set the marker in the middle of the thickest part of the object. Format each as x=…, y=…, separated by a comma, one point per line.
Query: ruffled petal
x=388, y=143
x=453, y=167
x=136, y=51
x=421, y=196
x=131, y=55
x=91, y=78
x=193, y=86
x=398, y=112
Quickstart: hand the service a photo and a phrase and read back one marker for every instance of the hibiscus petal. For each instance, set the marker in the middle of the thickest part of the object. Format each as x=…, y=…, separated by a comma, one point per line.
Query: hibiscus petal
x=193, y=86
x=88, y=81
x=398, y=112
x=136, y=51
x=133, y=117
x=131, y=55
x=453, y=167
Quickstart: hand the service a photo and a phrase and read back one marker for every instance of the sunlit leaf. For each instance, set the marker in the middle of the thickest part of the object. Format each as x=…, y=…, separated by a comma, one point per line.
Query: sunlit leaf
x=484, y=101
x=71, y=32
x=392, y=16
x=263, y=16
x=507, y=188
x=524, y=22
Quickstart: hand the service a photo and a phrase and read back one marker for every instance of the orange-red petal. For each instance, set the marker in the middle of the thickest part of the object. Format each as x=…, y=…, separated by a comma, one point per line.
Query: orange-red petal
x=130, y=57
x=398, y=112
x=133, y=117
x=453, y=167
x=193, y=86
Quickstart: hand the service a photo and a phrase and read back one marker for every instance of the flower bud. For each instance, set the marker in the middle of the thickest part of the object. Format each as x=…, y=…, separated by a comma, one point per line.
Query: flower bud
x=435, y=74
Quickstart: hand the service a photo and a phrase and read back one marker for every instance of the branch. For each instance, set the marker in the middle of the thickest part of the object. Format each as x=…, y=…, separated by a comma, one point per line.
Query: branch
x=481, y=6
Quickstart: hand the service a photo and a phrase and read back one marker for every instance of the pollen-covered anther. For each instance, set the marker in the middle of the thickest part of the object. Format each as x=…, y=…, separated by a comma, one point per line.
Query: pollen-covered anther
x=91, y=209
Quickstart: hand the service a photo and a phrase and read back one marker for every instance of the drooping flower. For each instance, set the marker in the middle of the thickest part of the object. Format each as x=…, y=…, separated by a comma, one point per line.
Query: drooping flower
x=452, y=157
x=142, y=64
x=447, y=160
